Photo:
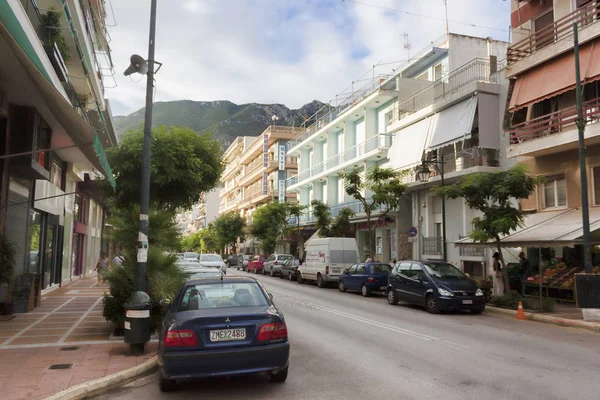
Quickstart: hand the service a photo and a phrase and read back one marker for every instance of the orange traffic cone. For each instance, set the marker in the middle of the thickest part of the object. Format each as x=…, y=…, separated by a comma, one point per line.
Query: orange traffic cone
x=521, y=312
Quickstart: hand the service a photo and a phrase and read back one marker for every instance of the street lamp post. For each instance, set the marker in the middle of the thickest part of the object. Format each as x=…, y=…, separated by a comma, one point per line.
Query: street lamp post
x=423, y=174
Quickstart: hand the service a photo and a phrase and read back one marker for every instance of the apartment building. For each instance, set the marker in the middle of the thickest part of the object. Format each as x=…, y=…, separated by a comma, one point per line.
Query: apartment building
x=257, y=171
x=445, y=101
x=202, y=213
x=541, y=119
x=54, y=126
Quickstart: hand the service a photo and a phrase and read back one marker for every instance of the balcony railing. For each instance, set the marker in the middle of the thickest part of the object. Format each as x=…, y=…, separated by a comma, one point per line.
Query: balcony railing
x=560, y=29
x=477, y=70
x=432, y=246
x=291, y=181
x=556, y=122
x=470, y=251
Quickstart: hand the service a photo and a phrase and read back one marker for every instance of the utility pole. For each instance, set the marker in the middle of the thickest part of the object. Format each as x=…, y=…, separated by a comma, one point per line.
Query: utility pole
x=585, y=211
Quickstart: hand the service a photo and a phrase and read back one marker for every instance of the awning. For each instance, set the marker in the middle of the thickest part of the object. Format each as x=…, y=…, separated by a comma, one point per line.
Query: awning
x=453, y=123
x=409, y=143
x=82, y=134
x=555, y=77
x=547, y=229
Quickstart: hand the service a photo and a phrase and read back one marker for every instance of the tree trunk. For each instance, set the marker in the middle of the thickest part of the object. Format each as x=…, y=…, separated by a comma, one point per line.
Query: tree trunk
x=370, y=237
x=503, y=265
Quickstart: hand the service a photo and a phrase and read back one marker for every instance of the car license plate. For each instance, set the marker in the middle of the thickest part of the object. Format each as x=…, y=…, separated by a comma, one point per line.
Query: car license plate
x=467, y=301
x=382, y=287
x=336, y=270
x=225, y=335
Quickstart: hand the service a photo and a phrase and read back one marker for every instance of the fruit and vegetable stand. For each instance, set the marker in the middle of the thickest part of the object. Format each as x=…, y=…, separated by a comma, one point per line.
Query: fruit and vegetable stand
x=557, y=282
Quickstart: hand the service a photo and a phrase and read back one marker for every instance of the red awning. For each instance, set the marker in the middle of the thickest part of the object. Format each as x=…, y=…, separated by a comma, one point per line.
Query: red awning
x=555, y=77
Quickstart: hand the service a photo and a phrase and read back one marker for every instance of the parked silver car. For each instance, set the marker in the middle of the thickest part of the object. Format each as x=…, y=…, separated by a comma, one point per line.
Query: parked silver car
x=274, y=262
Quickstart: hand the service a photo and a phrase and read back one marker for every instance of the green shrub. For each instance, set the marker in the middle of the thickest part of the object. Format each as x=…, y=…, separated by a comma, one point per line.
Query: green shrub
x=512, y=298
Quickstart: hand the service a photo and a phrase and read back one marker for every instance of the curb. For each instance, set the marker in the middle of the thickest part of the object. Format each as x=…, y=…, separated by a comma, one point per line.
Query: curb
x=548, y=319
x=103, y=385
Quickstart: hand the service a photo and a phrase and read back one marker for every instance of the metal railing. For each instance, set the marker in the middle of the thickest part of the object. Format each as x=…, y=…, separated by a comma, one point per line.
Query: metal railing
x=470, y=251
x=291, y=181
x=432, y=246
x=554, y=123
x=560, y=29
x=477, y=70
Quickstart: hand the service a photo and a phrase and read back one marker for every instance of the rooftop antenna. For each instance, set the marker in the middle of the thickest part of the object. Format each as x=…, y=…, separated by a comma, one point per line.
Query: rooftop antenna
x=446, y=8
x=406, y=45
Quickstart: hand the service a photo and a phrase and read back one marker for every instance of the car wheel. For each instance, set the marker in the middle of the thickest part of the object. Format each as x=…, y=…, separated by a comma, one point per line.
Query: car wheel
x=365, y=291
x=391, y=297
x=281, y=275
x=320, y=282
x=281, y=376
x=431, y=304
x=166, y=385
x=478, y=310
x=272, y=273
x=299, y=279
x=341, y=287
x=290, y=276
x=264, y=270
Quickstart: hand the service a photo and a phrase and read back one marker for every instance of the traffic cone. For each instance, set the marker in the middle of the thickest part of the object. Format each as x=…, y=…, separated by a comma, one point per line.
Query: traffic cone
x=521, y=312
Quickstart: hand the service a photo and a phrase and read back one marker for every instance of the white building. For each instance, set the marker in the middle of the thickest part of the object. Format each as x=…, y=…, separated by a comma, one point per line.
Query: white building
x=447, y=100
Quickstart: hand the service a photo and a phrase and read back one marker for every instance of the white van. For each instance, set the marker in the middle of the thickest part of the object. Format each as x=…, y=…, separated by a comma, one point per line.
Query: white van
x=326, y=259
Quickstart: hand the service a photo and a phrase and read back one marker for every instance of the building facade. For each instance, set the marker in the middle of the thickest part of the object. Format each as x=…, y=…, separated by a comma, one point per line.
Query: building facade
x=53, y=132
x=446, y=100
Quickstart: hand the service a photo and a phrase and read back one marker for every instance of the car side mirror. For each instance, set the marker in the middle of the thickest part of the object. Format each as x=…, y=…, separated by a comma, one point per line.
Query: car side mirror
x=271, y=296
x=346, y=272
x=164, y=303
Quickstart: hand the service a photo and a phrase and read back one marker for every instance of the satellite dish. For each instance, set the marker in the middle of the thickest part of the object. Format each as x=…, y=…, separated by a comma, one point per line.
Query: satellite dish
x=137, y=64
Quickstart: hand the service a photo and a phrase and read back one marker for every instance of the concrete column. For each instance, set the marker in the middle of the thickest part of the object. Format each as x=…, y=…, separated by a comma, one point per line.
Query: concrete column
x=332, y=144
x=370, y=122
x=318, y=190
x=318, y=155
x=303, y=160
x=304, y=196
x=349, y=135
x=386, y=238
x=332, y=190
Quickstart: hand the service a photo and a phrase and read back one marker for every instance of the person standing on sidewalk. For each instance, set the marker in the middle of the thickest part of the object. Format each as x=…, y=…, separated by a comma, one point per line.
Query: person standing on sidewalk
x=102, y=266
x=524, y=270
x=497, y=279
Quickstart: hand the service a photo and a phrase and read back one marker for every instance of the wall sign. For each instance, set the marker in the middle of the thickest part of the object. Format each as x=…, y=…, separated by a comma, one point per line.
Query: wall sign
x=265, y=183
x=266, y=151
x=281, y=190
x=413, y=231
x=281, y=158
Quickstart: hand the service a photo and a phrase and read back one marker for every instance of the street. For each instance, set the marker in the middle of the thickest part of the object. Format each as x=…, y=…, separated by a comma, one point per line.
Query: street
x=347, y=346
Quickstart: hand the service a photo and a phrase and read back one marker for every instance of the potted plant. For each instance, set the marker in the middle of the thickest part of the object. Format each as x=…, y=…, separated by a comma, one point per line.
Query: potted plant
x=51, y=21
x=7, y=267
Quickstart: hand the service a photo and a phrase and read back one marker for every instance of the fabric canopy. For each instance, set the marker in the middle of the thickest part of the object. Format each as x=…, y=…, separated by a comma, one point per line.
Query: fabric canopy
x=453, y=123
x=546, y=229
x=409, y=143
x=555, y=77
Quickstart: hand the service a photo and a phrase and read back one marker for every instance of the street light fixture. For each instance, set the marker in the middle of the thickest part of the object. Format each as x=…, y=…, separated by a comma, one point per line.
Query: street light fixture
x=423, y=174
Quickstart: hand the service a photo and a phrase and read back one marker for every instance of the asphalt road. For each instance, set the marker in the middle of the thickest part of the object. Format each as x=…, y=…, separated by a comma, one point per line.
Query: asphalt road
x=345, y=346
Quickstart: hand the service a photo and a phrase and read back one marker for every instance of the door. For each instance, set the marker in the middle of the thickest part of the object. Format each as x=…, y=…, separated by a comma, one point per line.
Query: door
x=357, y=277
x=49, y=262
x=418, y=284
x=399, y=280
x=346, y=276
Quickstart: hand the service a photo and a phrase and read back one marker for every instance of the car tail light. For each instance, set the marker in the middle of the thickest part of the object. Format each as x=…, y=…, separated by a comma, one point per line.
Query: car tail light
x=370, y=279
x=272, y=332
x=275, y=262
x=185, y=338
x=327, y=270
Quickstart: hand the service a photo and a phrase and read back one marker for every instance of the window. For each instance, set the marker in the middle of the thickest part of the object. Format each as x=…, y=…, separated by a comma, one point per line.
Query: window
x=352, y=269
x=437, y=72
x=544, y=36
x=56, y=174
x=416, y=272
x=219, y=295
x=424, y=76
x=596, y=183
x=403, y=268
x=361, y=269
x=380, y=268
x=554, y=192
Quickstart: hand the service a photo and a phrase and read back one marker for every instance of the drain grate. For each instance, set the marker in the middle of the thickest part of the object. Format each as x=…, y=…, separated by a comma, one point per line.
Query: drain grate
x=60, y=366
x=69, y=348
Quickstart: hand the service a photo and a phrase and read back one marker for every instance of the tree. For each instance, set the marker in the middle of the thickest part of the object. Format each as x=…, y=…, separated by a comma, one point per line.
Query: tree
x=268, y=223
x=331, y=227
x=185, y=164
x=492, y=194
x=228, y=227
x=341, y=224
x=381, y=190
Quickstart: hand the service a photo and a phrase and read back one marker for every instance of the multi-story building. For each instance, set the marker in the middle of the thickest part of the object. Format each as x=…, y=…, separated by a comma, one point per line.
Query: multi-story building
x=54, y=126
x=202, y=213
x=446, y=100
x=541, y=119
x=257, y=170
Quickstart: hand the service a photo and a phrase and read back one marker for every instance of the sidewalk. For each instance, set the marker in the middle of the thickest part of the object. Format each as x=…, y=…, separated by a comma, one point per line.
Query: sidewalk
x=66, y=332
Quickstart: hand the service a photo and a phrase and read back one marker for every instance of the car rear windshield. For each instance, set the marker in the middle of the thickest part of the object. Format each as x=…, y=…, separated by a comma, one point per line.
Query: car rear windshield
x=443, y=271
x=190, y=255
x=283, y=258
x=205, y=274
x=381, y=268
x=210, y=257
x=221, y=295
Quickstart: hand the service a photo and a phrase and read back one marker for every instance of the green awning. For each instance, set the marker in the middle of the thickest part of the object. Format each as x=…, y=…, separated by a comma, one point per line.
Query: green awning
x=102, y=156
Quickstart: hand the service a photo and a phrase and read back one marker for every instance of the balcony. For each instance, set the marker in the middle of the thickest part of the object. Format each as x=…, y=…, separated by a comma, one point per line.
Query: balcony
x=560, y=29
x=432, y=246
x=556, y=131
x=473, y=252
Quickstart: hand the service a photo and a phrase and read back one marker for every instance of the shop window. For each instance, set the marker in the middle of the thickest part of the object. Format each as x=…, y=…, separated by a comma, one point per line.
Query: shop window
x=554, y=192
x=56, y=175
x=596, y=183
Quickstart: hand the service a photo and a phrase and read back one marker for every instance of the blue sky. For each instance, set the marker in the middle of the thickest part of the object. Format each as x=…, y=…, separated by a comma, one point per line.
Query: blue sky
x=280, y=51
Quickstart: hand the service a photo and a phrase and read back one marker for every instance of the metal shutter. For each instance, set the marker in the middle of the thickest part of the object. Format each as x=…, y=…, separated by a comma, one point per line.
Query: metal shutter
x=17, y=218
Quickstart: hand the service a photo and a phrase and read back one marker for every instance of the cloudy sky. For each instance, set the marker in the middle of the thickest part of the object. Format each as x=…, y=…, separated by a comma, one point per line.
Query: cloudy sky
x=279, y=51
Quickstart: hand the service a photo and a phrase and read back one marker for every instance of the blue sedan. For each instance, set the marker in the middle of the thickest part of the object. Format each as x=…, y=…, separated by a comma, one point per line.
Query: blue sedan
x=365, y=277
x=222, y=327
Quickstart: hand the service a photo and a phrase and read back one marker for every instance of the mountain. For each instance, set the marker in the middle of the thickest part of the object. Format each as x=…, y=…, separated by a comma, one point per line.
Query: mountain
x=224, y=119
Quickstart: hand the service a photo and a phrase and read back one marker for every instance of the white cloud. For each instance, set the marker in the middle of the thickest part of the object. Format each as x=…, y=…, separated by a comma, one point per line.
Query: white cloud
x=277, y=51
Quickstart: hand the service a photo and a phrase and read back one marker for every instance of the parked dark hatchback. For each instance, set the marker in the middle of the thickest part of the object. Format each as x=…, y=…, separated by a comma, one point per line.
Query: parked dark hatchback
x=366, y=277
x=437, y=286
x=222, y=327
x=289, y=268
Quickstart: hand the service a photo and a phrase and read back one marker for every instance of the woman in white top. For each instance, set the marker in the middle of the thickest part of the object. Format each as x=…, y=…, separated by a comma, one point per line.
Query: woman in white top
x=497, y=278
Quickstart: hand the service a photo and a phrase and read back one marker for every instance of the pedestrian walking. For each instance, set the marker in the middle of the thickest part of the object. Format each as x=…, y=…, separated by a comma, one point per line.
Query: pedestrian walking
x=497, y=279
x=102, y=266
x=524, y=270
x=117, y=261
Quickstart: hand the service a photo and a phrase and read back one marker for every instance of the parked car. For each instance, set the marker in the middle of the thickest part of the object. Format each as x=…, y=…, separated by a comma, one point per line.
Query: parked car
x=256, y=264
x=203, y=273
x=243, y=261
x=365, y=277
x=190, y=256
x=326, y=259
x=212, y=260
x=231, y=260
x=221, y=327
x=272, y=264
x=437, y=286
x=289, y=268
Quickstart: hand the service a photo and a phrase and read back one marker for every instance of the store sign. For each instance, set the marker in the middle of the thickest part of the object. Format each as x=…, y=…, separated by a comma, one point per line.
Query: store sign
x=266, y=151
x=281, y=190
x=265, y=183
x=281, y=158
x=377, y=224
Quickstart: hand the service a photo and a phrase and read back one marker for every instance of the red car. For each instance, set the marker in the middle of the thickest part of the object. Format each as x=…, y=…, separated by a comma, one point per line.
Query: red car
x=256, y=264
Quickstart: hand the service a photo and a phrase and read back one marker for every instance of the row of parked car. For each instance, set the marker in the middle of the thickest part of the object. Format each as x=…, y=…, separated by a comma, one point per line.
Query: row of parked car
x=437, y=286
